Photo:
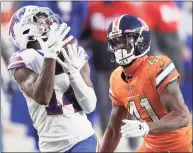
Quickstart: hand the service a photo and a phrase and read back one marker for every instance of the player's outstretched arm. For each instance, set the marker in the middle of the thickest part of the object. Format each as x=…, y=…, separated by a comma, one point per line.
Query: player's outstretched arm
x=85, y=90
x=112, y=134
x=178, y=117
x=40, y=87
x=79, y=75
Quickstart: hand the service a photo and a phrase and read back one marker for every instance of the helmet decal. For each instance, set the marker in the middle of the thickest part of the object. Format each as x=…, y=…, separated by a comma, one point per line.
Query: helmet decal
x=21, y=13
x=145, y=26
x=116, y=23
x=16, y=18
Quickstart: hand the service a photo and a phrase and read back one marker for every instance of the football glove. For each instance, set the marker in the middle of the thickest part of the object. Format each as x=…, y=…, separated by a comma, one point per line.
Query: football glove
x=134, y=128
x=72, y=63
x=52, y=46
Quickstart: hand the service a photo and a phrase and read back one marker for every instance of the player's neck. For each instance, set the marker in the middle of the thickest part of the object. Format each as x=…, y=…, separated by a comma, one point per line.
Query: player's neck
x=132, y=69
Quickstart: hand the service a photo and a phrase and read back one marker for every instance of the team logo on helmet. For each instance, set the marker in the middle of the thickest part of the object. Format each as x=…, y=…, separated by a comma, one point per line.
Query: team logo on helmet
x=16, y=18
x=145, y=26
x=21, y=13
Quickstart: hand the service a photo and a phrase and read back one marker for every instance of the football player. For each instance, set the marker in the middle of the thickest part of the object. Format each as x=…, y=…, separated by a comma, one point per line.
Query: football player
x=146, y=87
x=58, y=94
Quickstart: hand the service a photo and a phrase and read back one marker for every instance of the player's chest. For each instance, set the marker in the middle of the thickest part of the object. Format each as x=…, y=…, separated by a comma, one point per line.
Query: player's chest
x=133, y=90
x=137, y=98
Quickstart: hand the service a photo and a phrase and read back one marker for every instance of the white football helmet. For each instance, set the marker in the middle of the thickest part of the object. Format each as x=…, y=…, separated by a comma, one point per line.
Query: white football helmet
x=29, y=22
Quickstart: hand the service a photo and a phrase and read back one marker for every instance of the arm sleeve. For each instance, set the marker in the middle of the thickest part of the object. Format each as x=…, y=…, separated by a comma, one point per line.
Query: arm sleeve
x=113, y=94
x=21, y=59
x=15, y=63
x=165, y=72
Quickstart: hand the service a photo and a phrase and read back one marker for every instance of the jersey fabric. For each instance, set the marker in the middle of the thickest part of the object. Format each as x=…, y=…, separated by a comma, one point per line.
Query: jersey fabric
x=88, y=145
x=185, y=148
x=62, y=121
x=140, y=96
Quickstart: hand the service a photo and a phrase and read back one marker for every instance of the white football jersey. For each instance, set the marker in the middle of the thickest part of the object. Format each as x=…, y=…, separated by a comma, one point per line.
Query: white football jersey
x=62, y=123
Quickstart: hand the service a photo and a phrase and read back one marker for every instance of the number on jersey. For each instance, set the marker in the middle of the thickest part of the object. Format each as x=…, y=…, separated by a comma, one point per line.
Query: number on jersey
x=153, y=60
x=144, y=103
x=68, y=99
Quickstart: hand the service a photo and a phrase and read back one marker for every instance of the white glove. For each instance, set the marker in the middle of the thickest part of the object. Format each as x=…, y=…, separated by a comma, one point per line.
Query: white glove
x=134, y=128
x=54, y=43
x=72, y=63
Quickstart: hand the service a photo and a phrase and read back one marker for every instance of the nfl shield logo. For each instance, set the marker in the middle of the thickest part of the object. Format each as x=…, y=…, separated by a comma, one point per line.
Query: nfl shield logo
x=130, y=89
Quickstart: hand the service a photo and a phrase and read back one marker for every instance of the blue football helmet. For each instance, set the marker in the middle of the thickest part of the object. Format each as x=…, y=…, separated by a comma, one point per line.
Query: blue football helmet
x=128, y=39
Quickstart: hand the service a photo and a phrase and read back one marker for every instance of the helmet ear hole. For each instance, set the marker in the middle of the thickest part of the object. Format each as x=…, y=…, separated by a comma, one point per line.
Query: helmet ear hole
x=141, y=47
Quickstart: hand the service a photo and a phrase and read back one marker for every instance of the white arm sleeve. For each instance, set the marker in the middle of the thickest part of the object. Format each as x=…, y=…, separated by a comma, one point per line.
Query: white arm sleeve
x=85, y=95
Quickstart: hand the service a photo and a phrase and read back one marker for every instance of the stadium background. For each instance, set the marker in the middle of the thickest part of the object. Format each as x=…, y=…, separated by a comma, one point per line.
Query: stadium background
x=17, y=131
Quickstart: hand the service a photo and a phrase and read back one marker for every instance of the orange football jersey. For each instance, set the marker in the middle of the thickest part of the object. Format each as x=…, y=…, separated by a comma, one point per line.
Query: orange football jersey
x=140, y=96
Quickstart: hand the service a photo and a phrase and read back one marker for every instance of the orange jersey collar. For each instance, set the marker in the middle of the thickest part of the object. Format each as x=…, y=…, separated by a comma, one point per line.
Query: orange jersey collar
x=131, y=70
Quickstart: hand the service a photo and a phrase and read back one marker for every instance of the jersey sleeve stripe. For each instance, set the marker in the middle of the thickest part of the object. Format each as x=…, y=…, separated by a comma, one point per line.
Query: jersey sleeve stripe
x=39, y=52
x=164, y=72
x=165, y=77
x=111, y=94
x=163, y=69
x=16, y=64
x=15, y=59
x=173, y=80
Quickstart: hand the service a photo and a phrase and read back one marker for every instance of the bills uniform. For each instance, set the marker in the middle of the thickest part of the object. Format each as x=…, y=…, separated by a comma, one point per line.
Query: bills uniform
x=62, y=124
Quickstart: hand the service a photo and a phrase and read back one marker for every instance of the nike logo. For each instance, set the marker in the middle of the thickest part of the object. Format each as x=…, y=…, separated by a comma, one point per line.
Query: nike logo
x=52, y=45
x=75, y=67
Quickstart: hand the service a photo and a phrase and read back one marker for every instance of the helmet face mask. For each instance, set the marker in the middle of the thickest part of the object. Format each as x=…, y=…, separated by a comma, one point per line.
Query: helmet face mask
x=30, y=22
x=121, y=42
x=130, y=41
x=121, y=47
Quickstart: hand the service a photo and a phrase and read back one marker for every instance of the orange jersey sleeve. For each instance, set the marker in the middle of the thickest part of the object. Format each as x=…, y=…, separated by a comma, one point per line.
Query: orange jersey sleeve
x=164, y=72
x=113, y=94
